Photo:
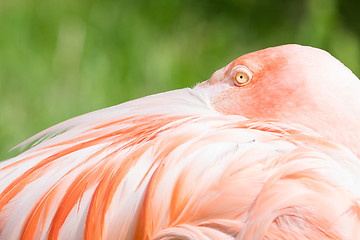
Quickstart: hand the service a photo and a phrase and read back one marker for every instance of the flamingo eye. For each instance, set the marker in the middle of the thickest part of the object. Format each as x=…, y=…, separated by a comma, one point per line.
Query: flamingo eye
x=242, y=76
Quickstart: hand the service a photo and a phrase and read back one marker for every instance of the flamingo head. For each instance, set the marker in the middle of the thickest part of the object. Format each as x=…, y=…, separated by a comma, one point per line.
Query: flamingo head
x=291, y=83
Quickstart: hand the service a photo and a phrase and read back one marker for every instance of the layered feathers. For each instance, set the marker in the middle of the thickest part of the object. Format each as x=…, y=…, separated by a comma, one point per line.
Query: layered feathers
x=171, y=166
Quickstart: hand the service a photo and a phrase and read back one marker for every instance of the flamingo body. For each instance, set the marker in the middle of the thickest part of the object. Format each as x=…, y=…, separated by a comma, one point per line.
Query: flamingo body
x=212, y=162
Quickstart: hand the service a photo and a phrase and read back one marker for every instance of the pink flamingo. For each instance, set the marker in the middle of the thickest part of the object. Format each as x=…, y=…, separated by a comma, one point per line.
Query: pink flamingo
x=267, y=148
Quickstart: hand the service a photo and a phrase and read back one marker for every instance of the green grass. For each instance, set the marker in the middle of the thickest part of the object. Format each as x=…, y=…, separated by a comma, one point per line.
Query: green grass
x=60, y=59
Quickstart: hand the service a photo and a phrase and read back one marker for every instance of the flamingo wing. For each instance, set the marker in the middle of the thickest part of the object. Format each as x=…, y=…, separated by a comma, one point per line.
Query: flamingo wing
x=126, y=175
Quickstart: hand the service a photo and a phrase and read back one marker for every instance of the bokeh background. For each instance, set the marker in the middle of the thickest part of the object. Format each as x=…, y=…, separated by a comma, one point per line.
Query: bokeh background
x=63, y=58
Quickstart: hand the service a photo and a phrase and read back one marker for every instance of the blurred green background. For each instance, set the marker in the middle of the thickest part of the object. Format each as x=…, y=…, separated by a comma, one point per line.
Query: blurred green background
x=62, y=58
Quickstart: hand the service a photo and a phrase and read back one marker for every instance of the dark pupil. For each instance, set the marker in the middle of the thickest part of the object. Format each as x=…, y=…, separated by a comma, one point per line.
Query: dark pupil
x=241, y=76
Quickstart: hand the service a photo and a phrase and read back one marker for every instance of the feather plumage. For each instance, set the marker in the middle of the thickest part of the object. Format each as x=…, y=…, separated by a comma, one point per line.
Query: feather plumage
x=172, y=166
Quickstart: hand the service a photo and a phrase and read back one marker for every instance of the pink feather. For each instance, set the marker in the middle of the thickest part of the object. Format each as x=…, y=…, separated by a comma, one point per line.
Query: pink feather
x=271, y=153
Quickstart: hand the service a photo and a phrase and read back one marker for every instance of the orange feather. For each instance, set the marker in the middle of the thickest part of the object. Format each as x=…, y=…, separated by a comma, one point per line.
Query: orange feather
x=259, y=151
